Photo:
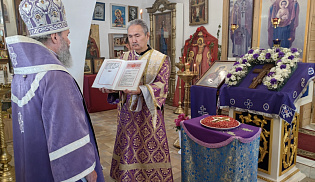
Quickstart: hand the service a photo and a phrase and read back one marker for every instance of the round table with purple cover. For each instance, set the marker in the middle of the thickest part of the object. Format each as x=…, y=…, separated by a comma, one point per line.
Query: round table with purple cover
x=219, y=155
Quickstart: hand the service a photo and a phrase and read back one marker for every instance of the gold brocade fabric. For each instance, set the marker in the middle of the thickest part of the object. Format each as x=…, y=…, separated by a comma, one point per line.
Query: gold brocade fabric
x=235, y=162
x=140, y=152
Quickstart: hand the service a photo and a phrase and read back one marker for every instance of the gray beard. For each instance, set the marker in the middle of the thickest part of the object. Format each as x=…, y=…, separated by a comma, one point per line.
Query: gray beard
x=64, y=55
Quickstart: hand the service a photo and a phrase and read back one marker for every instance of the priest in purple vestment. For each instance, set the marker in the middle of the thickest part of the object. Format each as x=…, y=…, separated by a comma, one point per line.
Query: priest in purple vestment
x=52, y=132
x=141, y=151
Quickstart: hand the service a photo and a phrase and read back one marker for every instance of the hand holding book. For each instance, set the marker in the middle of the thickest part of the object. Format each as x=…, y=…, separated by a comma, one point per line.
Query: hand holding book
x=117, y=74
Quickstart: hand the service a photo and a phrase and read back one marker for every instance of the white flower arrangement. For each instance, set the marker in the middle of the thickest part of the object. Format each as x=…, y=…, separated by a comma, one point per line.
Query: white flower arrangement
x=285, y=61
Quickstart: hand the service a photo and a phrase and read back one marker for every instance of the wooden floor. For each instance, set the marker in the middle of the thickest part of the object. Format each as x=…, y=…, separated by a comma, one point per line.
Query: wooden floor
x=104, y=124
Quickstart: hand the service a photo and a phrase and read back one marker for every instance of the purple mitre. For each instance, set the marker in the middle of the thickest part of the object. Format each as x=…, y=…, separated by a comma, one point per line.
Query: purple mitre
x=43, y=17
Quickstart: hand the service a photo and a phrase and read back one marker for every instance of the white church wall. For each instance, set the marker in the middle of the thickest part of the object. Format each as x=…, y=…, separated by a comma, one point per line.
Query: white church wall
x=79, y=20
x=180, y=29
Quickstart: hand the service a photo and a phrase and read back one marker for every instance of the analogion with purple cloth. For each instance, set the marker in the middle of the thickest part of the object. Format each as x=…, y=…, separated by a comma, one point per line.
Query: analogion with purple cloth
x=203, y=101
x=265, y=102
x=217, y=155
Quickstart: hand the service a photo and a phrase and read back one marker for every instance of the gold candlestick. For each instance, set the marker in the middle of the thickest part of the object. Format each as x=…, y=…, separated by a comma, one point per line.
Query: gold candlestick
x=275, y=22
x=187, y=77
x=179, y=109
x=7, y=172
x=234, y=27
x=276, y=43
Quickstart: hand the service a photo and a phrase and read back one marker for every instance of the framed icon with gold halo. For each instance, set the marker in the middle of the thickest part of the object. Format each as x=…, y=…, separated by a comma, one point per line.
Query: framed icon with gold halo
x=118, y=16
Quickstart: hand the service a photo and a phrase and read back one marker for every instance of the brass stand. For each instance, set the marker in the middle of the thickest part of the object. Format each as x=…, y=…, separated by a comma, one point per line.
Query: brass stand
x=234, y=27
x=275, y=22
x=276, y=43
x=187, y=77
x=176, y=143
x=179, y=109
x=7, y=172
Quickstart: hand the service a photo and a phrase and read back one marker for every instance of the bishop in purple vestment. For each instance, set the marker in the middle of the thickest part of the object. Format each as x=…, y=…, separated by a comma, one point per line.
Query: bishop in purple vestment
x=52, y=132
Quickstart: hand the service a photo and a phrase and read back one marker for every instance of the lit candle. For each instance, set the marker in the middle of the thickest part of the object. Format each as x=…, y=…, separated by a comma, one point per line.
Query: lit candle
x=141, y=13
x=276, y=43
x=194, y=70
x=187, y=67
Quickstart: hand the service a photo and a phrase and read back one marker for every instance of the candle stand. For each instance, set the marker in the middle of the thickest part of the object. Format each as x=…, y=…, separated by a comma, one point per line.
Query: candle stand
x=179, y=109
x=7, y=172
x=276, y=43
x=275, y=22
x=187, y=77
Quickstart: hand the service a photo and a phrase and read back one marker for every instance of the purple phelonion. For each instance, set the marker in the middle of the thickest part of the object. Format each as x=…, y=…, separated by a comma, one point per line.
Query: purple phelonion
x=280, y=54
x=293, y=50
x=236, y=63
x=283, y=66
x=268, y=55
x=271, y=73
x=238, y=69
x=244, y=61
x=250, y=51
x=273, y=81
x=255, y=56
x=277, y=50
x=229, y=75
x=291, y=57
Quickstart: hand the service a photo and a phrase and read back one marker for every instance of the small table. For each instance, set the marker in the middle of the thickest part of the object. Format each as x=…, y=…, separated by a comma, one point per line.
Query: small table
x=95, y=100
x=219, y=155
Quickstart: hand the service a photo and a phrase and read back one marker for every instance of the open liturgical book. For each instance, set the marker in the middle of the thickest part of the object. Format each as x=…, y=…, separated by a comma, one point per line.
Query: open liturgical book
x=118, y=74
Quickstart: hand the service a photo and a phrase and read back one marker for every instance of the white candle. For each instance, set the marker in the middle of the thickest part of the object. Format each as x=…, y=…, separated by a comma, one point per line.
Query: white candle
x=141, y=13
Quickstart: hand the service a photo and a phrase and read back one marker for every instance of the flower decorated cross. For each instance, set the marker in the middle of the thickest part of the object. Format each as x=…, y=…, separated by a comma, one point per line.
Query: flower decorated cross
x=262, y=73
x=284, y=61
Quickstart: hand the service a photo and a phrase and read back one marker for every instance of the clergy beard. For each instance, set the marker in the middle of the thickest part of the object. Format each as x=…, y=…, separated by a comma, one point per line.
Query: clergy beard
x=64, y=55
